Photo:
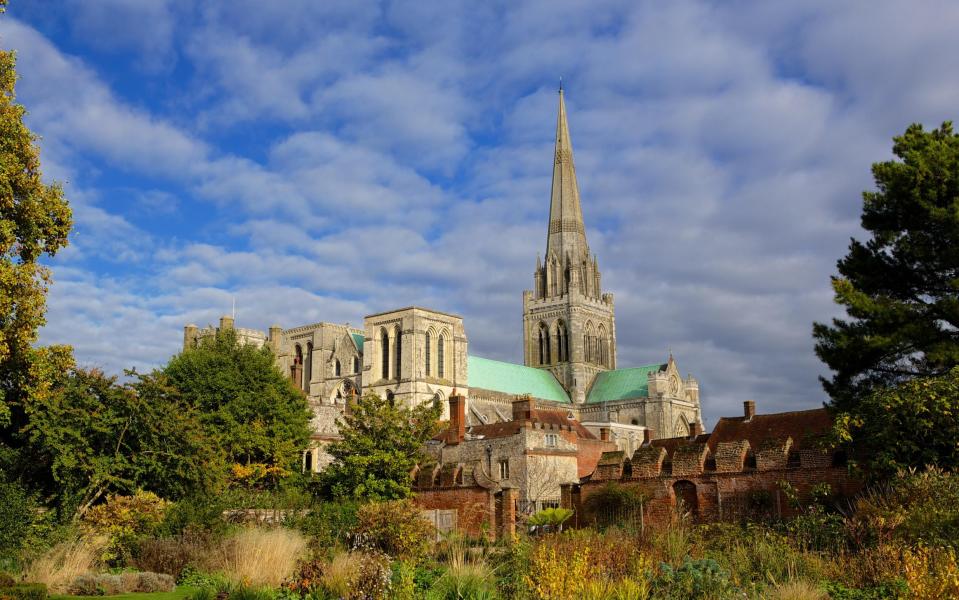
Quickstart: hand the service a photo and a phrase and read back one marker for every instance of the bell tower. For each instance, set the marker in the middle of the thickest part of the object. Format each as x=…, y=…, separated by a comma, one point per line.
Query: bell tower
x=568, y=323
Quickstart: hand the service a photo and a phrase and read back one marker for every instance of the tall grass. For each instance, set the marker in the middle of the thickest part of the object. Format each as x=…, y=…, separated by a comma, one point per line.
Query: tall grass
x=61, y=564
x=258, y=556
x=796, y=590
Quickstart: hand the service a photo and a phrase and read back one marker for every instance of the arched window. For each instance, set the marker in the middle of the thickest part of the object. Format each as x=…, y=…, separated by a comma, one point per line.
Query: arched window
x=399, y=353
x=441, y=357
x=427, y=354
x=297, y=372
x=385, y=342
x=562, y=342
x=336, y=367
x=603, y=347
x=356, y=364
x=544, y=345
x=309, y=367
x=590, y=343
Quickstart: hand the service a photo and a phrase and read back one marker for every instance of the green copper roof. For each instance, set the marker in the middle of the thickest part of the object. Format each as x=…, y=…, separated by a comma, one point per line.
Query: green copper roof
x=621, y=384
x=358, y=338
x=513, y=379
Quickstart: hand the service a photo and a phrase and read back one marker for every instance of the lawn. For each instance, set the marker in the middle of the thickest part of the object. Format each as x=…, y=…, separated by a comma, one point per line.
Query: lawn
x=180, y=593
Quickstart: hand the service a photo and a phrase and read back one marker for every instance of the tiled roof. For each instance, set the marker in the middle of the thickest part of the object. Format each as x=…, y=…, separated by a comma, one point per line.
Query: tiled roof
x=358, y=340
x=803, y=426
x=622, y=384
x=556, y=418
x=510, y=378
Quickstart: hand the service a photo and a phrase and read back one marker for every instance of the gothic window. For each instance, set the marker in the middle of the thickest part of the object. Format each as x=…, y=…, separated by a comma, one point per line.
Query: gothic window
x=590, y=343
x=356, y=364
x=309, y=366
x=399, y=352
x=544, y=345
x=298, y=367
x=562, y=342
x=336, y=367
x=603, y=347
x=440, y=357
x=427, y=354
x=385, y=342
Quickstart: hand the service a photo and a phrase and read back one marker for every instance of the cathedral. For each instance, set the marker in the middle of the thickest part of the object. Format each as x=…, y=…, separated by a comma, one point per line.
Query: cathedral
x=414, y=355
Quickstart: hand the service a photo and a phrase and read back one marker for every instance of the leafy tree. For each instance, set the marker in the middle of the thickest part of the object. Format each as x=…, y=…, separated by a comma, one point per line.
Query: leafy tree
x=92, y=437
x=34, y=221
x=914, y=424
x=900, y=288
x=381, y=445
x=246, y=404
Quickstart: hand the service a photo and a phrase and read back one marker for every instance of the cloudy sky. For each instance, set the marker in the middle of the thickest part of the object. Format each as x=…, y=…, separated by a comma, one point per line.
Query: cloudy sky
x=325, y=160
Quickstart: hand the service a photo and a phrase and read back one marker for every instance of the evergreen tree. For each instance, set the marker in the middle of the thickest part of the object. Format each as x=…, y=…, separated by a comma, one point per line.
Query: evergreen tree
x=381, y=444
x=900, y=287
x=248, y=407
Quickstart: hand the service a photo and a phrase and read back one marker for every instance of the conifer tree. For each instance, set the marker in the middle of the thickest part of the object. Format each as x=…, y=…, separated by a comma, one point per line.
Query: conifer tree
x=900, y=287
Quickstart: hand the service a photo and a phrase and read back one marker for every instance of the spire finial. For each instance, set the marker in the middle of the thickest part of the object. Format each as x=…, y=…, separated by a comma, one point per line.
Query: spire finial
x=560, y=84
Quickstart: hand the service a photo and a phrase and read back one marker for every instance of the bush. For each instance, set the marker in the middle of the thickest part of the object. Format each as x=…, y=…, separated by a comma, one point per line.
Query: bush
x=328, y=525
x=107, y=584
x=25, y=591
x=614, y=504
x=694, y=579
x=172, y=555
x=396, y=528
x=468, y=581
x=258, y=556
x=16, y=516
x=123, y=519
x=7, y=580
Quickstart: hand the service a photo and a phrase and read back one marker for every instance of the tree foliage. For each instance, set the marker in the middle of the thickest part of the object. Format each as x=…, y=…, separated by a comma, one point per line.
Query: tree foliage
x=34, y=221
x=381, y=444
x=914, y=424
x=92, y=437
x=900, y=287
x=250, y=409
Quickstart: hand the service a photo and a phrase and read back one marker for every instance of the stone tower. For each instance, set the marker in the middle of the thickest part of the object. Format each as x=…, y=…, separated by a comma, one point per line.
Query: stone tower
x=568, y=322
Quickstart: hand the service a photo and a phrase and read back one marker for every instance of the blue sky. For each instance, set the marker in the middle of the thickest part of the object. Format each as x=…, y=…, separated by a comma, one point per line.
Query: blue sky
x=327, y=160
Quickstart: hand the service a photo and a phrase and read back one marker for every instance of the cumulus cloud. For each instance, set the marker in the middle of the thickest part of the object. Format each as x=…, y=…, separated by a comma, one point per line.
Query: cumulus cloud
x=328, y=160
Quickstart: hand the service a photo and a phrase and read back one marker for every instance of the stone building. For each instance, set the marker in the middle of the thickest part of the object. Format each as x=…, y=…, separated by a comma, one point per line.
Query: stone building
x=416, y=355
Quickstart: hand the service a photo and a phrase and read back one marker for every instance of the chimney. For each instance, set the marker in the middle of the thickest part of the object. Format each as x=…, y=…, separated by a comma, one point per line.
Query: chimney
x=226, y=322
x=749, y=409
x=648, y=436
x=457, y=431
x=604, y=434
x=523, y=408
x=695, y=428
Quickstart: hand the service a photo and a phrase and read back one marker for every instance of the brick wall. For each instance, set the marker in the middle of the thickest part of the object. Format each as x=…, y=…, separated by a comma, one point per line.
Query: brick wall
x=473, y=505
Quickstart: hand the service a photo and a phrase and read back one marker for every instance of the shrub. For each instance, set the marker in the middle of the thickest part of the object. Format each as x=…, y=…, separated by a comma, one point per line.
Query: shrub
x=108, y=584
x=373, y=579
x=695, y=580
x=85, y=585
x=472, y=581
x=396, y=528
x=6, y=580
x=756, y=554
x=511, y=566
x=203, y=593
x=59, y=566
x=16, y=516
x=25, y=591
x=258, y=556
x=931, y=573
x=123, y=519
x=328, y=525
x=550, y=518
x=172, y=555
x=614, y=504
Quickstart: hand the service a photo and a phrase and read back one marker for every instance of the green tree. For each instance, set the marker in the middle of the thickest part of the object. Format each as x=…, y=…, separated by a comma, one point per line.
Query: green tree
x=92, y=437
x=252, y=411
x=380, y=445
x=913, y=424
x=900, y=287
x=34, y=221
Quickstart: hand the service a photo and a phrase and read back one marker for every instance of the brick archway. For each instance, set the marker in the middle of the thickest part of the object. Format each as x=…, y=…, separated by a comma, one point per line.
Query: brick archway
x=686, y=497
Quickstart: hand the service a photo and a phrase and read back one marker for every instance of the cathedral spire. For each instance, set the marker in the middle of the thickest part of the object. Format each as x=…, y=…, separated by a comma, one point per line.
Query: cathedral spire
x=567, y=235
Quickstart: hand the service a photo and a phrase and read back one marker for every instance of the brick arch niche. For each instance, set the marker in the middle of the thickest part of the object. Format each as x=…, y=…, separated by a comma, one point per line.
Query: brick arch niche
x=685, y=493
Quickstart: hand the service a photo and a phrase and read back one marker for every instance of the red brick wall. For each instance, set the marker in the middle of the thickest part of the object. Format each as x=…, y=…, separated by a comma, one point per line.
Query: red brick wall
x=473, y=505
x=725, y=496
x=588, y=455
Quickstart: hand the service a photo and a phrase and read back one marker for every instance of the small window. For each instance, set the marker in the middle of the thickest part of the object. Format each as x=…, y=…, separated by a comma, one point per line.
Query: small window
x=504, y=469
x=552, y=440
x=308, y=461
x=356, y=364
x=336, y=368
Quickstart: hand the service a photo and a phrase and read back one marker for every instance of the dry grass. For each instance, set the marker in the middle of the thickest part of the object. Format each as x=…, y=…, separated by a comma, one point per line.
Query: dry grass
x=340, y=575
x=59, y=566
x=796, y=590
x=258, y=556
